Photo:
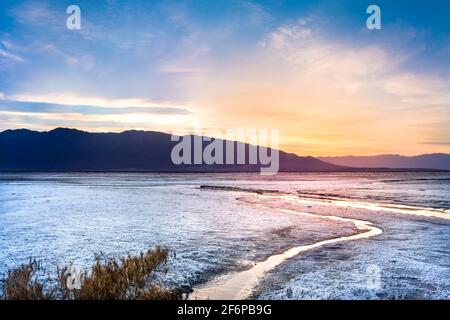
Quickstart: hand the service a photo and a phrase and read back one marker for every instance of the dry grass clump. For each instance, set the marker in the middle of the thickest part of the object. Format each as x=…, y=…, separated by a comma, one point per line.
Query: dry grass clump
x=121, y=278
x=21, y=284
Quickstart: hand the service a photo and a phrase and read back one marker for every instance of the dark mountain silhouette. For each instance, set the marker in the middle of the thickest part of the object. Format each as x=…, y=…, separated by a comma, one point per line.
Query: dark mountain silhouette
x=439, y=161
x=74, y=150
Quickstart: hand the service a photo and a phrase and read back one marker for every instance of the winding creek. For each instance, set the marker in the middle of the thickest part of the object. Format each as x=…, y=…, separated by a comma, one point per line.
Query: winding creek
x=239, y=285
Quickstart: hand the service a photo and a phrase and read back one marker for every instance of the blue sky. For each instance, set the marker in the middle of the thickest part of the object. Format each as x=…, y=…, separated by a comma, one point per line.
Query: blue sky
x=299, y=66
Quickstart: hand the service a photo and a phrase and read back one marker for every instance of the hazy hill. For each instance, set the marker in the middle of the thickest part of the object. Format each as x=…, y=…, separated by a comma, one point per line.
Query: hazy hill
x=439, y=161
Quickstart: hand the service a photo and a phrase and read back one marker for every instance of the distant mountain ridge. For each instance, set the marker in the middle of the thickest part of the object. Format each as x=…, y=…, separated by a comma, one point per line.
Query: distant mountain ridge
x=64, y=149
x=438, y=161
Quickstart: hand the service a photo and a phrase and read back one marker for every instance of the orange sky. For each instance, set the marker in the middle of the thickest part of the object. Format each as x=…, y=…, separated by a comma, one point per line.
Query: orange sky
x=328, y=90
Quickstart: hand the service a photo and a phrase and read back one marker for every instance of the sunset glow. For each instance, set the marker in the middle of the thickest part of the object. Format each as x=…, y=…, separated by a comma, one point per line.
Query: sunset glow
x=308, y=68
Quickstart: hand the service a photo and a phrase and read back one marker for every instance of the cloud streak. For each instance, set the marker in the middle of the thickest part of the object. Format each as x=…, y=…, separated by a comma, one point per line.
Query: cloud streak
x=42, y=107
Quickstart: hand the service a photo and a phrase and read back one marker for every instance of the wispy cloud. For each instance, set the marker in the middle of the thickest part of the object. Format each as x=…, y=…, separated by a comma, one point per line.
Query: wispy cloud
x=257, y=13
x=323, y=62
x=10, y=56
x=81, y=59
x=417, y=89
x=41, y=107
x=6, y=53
x=68, y=103
x=437, y=143
x=37, y=14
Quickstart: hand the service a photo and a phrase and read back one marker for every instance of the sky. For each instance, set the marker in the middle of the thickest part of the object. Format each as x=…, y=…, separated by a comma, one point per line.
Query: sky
x=311, y=69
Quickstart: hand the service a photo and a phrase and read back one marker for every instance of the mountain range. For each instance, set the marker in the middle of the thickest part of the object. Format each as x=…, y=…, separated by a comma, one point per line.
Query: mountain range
x=65, y=149
x=440, y=161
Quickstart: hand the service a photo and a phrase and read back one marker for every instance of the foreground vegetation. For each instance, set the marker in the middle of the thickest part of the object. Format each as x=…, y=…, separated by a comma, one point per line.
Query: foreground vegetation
x=128, y=277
